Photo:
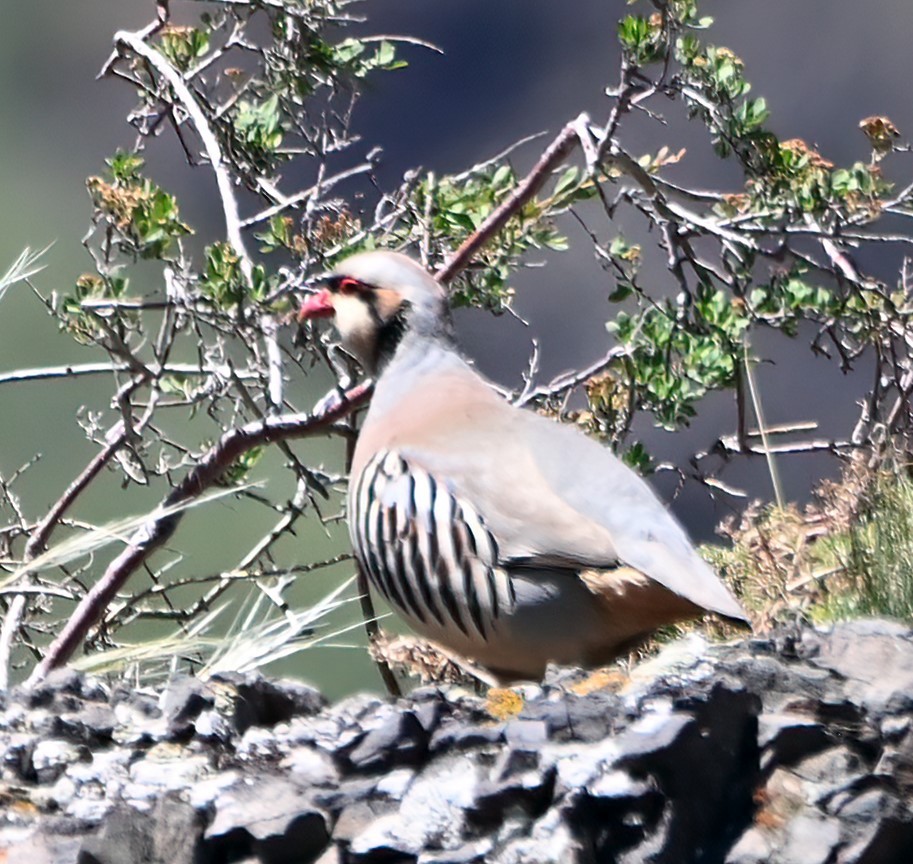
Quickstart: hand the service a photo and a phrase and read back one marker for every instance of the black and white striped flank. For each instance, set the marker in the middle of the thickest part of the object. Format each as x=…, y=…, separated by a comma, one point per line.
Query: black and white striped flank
x=426, y=551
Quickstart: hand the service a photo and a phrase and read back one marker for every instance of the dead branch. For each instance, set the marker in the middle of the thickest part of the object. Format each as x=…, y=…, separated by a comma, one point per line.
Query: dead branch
x=159, y=529
x=553, y=156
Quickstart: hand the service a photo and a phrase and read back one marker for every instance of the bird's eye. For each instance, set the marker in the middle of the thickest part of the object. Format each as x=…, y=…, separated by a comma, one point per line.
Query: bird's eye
x=348, y=286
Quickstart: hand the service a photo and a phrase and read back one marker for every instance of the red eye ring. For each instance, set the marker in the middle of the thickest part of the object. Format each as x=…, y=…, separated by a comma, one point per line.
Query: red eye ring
x=348, y=286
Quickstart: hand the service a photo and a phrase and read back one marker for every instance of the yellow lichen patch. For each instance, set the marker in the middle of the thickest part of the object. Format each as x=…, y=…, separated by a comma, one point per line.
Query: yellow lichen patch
x=502, y=703
x=602, y=679
x=22, y=807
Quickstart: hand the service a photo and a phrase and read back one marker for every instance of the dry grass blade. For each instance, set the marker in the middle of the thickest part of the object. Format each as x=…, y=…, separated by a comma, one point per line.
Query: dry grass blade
x=24, y=267
x=257, y=638
x=118, y=530
x=185, y=643
x=762, y=428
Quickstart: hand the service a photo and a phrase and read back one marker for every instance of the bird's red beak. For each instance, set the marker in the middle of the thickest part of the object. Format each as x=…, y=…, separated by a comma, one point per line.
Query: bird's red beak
x=319, y=305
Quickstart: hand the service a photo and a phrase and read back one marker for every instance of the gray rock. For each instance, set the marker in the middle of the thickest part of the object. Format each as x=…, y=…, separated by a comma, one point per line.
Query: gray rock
x=399, y=739
x=93, y=725
x=184, y=699
x=356, y=818
x=517, y=781
x=258, y=701
x=51, y=757
x=331, y=855
x=475, y=852
x=213, y=725
x=453, y=735
x=569, y=717
x=549, y=840
x=429, y=713
x=827, y=774
x=169, y=834
x=896, y=760
x=432, y=814
x=396, y=783
x=270, y=818
x=577, y=765
x=874, y=656
x=167, y=766
x=62, y=688
x=338, y=731
x=525, y=734
x=877, y=826
x=17, y=756
x=810, y=839
x=309, y=766
x=349, y=790
x=772, y=673
x=41, y=847
x=701, y=758
x=787, y=736
x=774, y=750
x=887, y=841
x=615, y=814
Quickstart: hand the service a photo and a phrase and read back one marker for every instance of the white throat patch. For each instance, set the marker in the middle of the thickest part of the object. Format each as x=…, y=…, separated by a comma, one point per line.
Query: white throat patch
x=356, y=326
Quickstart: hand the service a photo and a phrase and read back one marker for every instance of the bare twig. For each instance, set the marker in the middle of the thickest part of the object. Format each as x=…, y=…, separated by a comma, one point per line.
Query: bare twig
x=569, y=380
x=225, y=185
x=291, y=201
x=77, y=370
x=755, y=394
x=156, y=532
x=369, y=617
x=728, y=445
x=38, y=539
x=137, y=44
x=553, y=156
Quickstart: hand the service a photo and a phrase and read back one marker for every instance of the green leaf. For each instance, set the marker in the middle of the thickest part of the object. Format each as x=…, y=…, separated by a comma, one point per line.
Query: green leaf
x=622, y=291
x=504, y=176
x=638, y=458
x=566, y=181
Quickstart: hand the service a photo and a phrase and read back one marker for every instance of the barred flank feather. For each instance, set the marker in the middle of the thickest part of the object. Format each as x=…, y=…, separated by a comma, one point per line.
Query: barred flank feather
x=426, y=551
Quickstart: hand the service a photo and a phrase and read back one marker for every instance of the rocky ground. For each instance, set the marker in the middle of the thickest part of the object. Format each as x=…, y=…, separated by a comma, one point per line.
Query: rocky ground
x=794, y=749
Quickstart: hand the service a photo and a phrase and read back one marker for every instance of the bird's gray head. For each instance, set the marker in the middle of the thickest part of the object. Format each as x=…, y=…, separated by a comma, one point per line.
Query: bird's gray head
x=375, y=300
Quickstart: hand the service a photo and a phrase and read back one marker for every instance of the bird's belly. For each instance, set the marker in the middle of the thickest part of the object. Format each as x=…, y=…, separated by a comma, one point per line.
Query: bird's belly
x=552, y=618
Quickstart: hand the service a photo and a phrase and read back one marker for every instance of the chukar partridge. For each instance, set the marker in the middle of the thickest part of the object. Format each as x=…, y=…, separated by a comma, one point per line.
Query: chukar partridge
x=505, y=537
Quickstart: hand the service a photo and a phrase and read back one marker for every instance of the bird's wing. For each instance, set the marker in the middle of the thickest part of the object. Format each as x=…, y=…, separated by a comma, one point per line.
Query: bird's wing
x=589, y=478
x=547, y=493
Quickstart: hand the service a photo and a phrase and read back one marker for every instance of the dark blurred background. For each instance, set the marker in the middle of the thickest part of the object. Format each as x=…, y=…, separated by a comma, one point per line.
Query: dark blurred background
x=509, y=69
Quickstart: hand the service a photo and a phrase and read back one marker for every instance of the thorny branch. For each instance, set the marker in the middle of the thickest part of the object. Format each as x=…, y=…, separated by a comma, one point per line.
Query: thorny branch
x=117, y=436
x=555, y=154
x=137, y=44
x=157, y=530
